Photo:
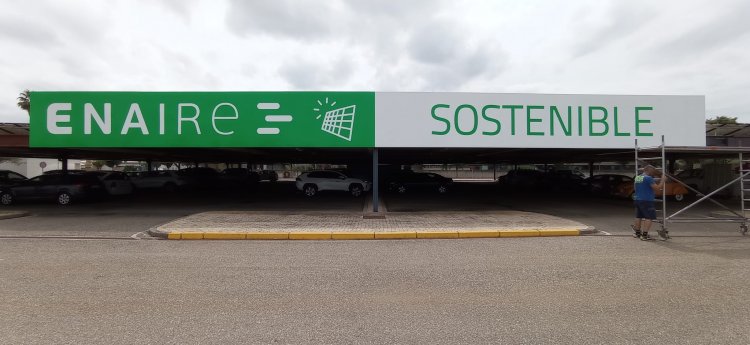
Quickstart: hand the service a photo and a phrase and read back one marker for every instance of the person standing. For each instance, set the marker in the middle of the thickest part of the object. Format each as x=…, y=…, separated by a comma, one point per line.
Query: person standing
x=645, y=193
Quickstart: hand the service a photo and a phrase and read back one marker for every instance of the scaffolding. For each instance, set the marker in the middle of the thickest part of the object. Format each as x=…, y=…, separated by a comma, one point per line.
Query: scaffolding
x=738, y=217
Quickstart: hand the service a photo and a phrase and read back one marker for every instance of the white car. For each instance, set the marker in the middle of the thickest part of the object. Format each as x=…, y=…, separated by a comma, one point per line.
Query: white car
x=313, y=182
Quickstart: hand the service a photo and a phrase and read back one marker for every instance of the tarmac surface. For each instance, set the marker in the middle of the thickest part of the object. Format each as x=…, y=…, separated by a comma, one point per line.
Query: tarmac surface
x=564, y=290
x=60, y=288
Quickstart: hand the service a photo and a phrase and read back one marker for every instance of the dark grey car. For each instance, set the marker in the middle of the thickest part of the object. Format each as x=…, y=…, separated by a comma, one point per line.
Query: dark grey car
x=62, y=188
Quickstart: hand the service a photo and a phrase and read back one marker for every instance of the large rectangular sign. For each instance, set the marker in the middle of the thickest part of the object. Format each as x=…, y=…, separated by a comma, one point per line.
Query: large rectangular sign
x=537, y=120
x=362, y=119
x=202, y=119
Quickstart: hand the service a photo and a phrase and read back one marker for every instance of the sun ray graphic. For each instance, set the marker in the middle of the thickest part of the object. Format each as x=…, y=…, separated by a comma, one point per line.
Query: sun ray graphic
x=324, y=106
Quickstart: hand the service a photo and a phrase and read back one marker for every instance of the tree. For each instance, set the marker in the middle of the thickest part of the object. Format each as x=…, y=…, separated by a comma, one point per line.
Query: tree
x=24, y=102
x=722, y=120
x=98, y=164
x=112, y=164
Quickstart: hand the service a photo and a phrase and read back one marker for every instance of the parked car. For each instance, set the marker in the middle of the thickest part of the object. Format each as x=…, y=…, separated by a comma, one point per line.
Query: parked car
x=313, y=182
x=405, y=181
x=694, y=178
x=607, y=184
x=167, y=180
x=65, y=188
x=522, y=178
x=9, y=178
x=200, y=177
x=564, y=181
x=239, y=177
x=677, y=191
x=115, y=182
x=268, y=175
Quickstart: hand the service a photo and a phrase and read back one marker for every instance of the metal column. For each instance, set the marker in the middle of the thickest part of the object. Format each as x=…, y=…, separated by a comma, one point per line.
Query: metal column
x=375, y=178
x=664, y=173
x=742, y=186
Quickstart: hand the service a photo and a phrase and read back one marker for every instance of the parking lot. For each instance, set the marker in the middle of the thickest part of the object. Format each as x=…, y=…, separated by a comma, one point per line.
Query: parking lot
x=86, y=273
x=125, y=216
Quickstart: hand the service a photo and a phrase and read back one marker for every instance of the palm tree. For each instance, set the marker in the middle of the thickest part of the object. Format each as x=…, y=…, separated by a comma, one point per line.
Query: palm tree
x=24, y=102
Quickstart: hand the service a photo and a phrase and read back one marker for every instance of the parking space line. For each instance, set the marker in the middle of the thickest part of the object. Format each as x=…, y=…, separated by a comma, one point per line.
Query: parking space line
x=143, y=235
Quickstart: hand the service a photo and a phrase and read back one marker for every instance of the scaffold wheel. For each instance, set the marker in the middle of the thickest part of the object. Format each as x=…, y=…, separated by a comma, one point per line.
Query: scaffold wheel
x=663, y=233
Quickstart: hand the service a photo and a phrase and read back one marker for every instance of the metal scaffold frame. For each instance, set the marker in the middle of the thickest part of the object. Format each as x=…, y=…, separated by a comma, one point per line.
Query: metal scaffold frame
x=665, y=219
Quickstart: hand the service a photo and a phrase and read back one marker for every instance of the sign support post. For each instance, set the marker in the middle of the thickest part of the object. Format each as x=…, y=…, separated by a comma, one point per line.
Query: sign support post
x=375, y=184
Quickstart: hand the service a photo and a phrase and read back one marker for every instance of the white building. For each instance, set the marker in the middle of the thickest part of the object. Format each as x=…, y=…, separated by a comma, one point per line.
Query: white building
x=31, y=167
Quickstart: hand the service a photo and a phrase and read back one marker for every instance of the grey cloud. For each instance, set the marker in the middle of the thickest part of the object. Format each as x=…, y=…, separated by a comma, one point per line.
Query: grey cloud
x=394, y=9
x=179, y=7
x=18, y=30
x=294, y=19
x=451, y=57
x=435, y=43
x=306, y=75
x=717, y=33
x=623, y=19
x=451, y=76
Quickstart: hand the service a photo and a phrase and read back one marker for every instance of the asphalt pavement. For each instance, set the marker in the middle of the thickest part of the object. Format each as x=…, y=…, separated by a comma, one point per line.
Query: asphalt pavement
x=577, y=290
x=607, y=288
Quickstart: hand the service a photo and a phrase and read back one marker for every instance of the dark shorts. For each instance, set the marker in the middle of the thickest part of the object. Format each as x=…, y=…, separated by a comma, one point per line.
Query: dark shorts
x=645, y=210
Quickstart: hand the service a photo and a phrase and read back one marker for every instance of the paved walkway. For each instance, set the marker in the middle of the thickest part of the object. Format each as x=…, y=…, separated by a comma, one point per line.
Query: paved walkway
x=238, y=224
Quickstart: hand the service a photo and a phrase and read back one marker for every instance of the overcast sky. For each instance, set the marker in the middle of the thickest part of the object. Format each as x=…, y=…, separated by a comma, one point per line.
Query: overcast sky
x=682, y=47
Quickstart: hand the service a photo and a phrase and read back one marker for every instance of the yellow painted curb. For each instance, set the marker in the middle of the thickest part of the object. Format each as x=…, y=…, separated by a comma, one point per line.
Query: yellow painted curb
x=224, y=236
x=395, y=235
x=371, y=235
x=559, y=232
x=519, y=233
x=192, y=236
x=437, y=234
x=353, y=236
x=268, y=236
x=478, y=234
x=309, y=235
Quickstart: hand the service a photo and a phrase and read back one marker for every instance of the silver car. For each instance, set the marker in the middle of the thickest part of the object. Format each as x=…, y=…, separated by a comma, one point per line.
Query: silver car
x=310, y=183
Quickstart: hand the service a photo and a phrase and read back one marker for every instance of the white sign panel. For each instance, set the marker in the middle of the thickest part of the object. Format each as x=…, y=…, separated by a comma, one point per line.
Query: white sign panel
x=537, y=120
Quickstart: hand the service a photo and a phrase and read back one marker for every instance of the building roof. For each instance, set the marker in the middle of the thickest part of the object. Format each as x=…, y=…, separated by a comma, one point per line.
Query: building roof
x=14, y=128
x=721, y=140
x=734, y=130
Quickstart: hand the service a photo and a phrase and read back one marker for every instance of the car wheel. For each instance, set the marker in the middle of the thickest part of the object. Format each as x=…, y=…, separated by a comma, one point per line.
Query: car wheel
x=679, y=197
x=6, y=198
x=442, y=189
x=64, y=198
x=169, y=187
x=310, y=190
x=356, y=189
x=401, y=189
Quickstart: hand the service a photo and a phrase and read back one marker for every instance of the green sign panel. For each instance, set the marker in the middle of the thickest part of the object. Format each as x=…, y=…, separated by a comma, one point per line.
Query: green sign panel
x=202, y=119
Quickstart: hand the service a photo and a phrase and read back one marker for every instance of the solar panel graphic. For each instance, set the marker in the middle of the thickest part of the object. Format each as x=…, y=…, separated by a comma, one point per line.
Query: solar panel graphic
x=340, y=122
